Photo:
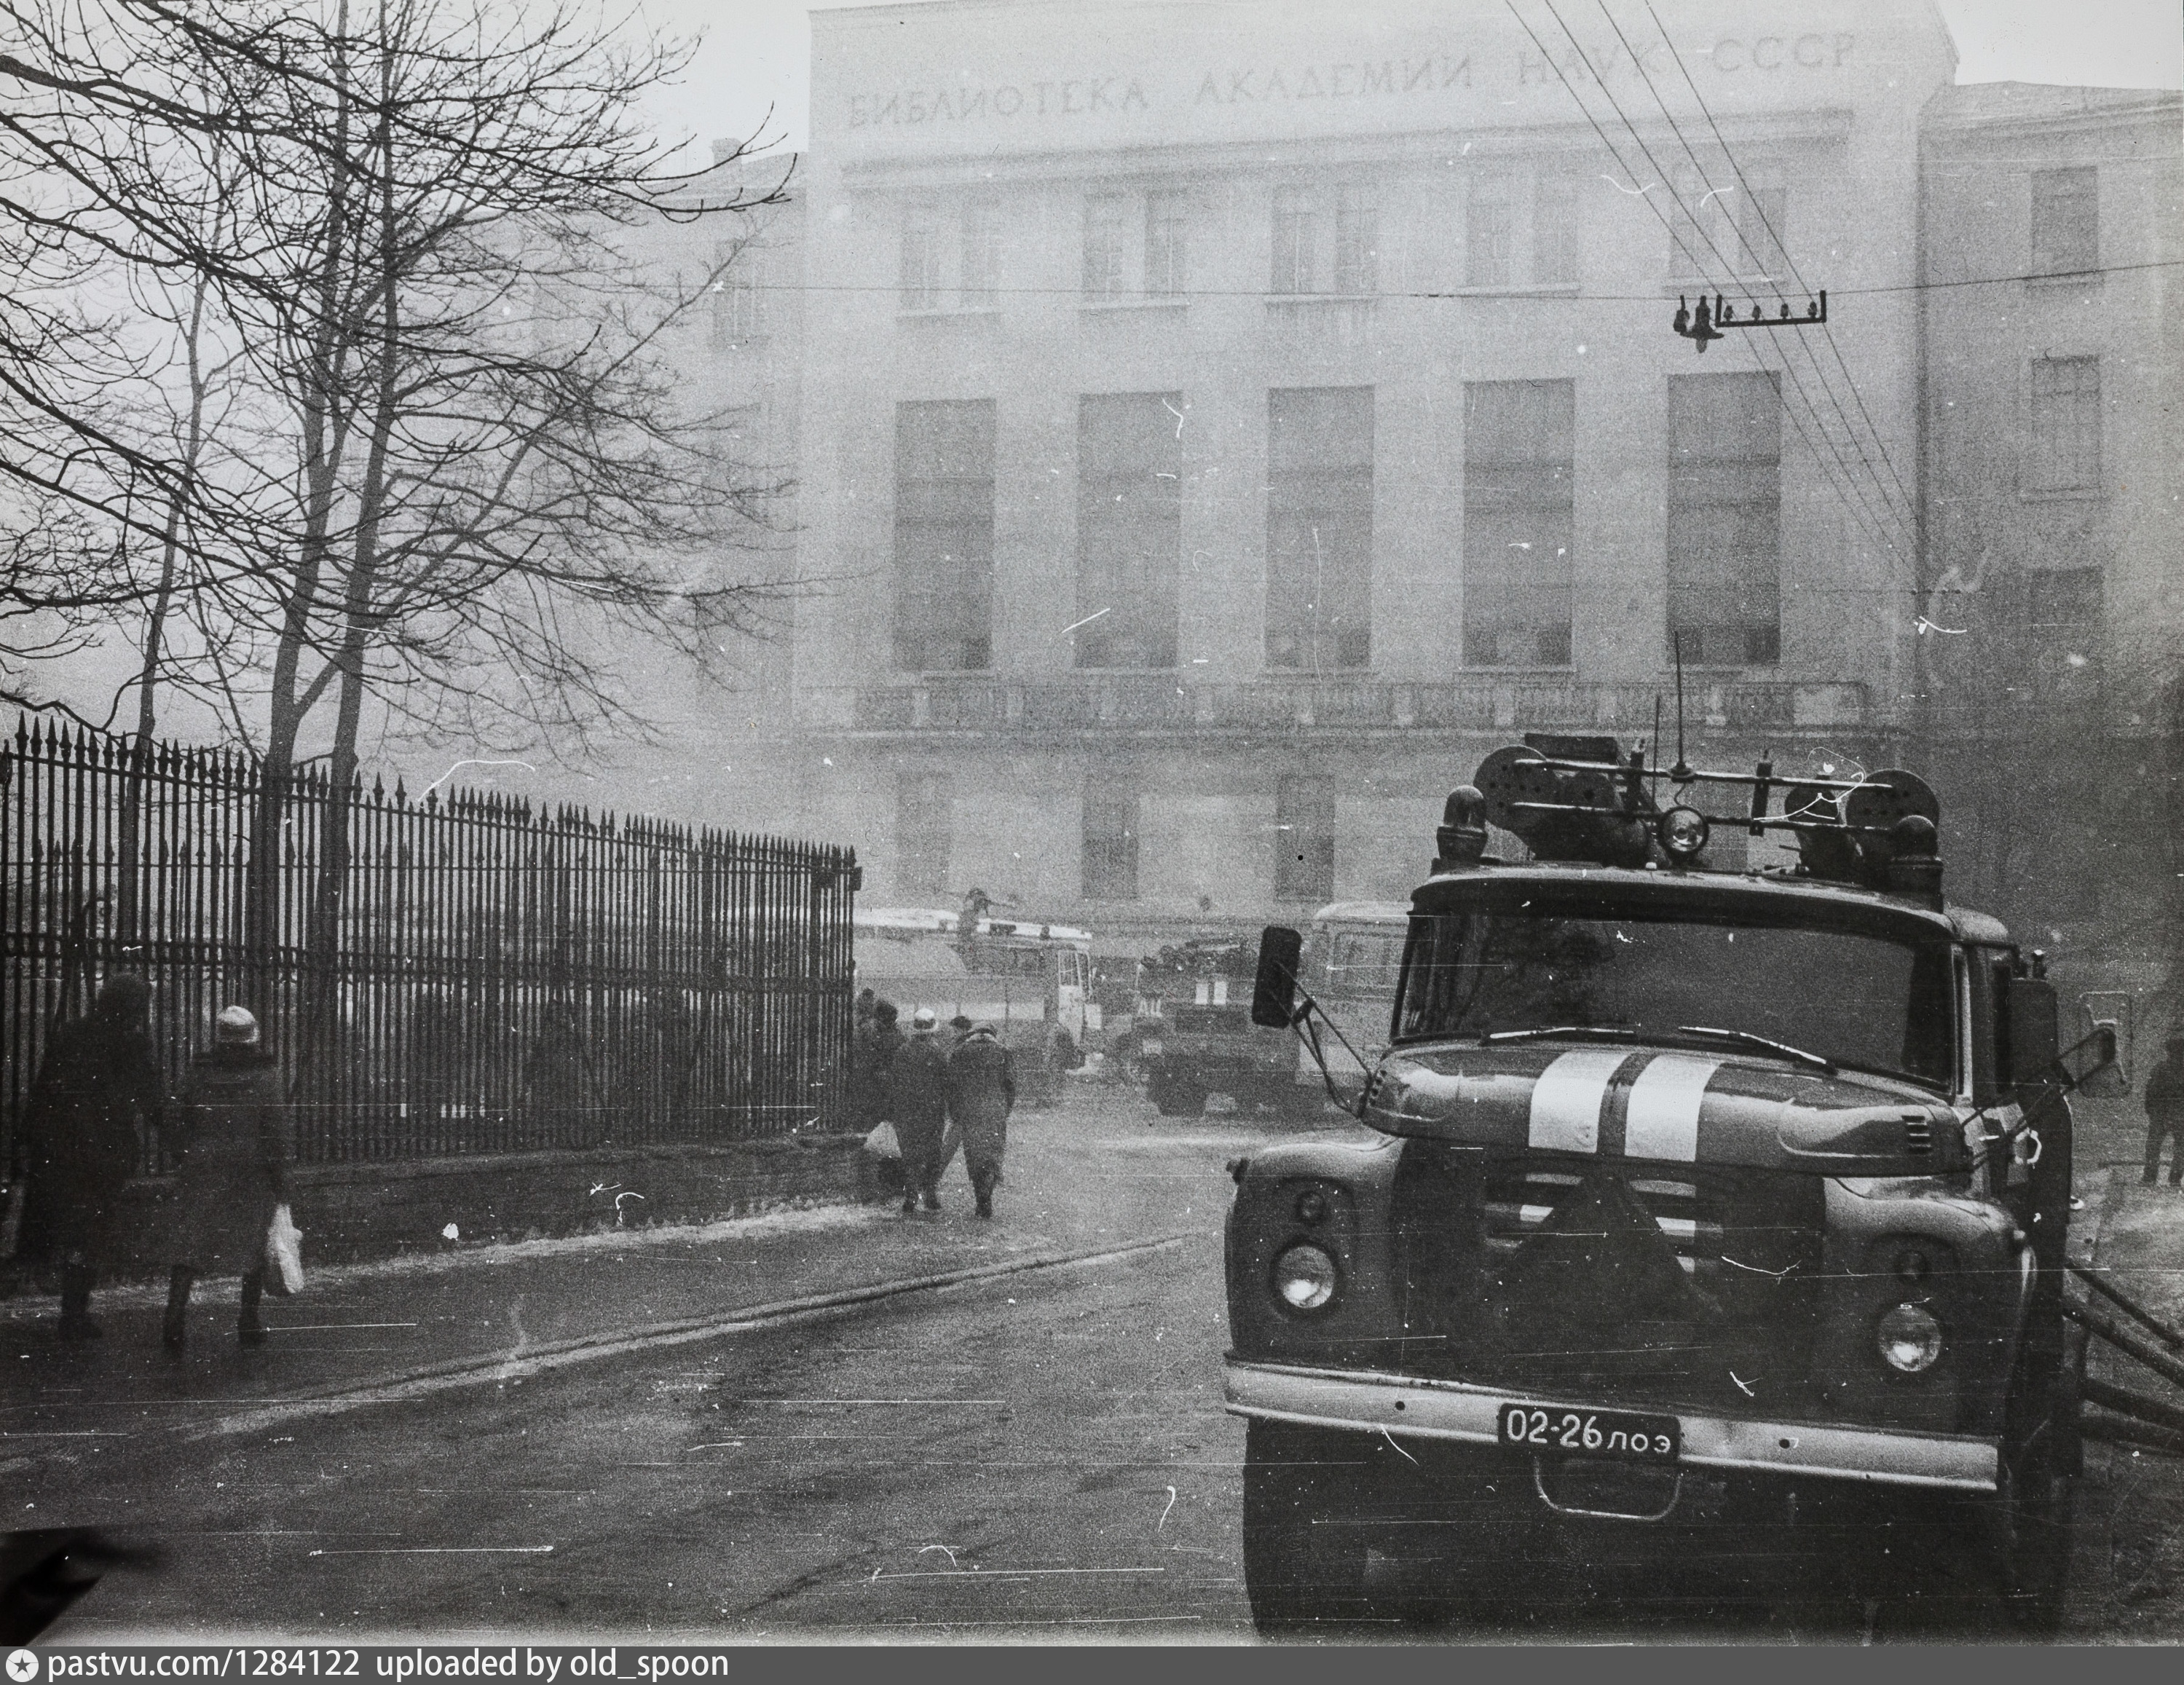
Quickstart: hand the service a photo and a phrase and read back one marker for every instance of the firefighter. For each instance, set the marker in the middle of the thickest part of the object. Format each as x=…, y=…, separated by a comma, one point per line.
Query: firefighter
x=981, y=1091
x=2165, y=1112
x=919, y=1091
x=234, y=1174
x=98, y=1082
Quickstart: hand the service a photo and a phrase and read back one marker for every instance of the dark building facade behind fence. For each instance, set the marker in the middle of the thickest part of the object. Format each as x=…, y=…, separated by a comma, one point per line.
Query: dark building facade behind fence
x=460, y=973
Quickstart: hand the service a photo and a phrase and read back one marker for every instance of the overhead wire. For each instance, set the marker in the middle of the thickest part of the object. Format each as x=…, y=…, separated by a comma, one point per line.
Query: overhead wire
x=1888, y=512
x=1552, y=294
x=1799, y=337
x=1874, y=525
x=1760, y=205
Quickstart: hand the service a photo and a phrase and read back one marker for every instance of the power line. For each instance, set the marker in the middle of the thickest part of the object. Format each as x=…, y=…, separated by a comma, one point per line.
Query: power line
x=1788, y=366
x=1866, y=529
x=1849, y=478
x=1781, y=246
x=1543, y=295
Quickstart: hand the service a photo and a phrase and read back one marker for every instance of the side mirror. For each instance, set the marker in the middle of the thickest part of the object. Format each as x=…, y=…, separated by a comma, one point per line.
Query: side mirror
x=1273, y=993
x=2029, y=1029
x=2109, y=1010
x=2088, y=1060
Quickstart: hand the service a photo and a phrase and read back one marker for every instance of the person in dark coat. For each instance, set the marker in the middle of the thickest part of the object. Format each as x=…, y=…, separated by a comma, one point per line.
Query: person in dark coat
x=2164, y=1113
x=871, y=1063
x=97, y=1084
x=919, y=1094
x=235, y=1171
x=981, y=1091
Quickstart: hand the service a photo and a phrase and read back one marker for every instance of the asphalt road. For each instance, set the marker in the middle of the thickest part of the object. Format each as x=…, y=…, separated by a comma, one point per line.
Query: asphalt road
x=1038, y=1455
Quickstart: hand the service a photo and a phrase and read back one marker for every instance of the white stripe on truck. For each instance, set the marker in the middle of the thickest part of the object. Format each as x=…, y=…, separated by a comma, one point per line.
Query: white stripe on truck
x=1566, y=1101
x=1664, y=1119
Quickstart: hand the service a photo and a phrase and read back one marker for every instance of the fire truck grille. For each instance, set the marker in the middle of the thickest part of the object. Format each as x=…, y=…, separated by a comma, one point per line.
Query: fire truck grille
x=1627, y=1282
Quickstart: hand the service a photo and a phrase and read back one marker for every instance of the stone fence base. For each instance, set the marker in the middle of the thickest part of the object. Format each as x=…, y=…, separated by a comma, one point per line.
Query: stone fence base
x=353, y=1212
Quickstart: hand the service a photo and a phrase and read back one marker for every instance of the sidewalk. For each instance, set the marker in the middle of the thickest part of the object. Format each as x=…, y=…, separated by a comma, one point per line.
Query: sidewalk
x=1084, y=1178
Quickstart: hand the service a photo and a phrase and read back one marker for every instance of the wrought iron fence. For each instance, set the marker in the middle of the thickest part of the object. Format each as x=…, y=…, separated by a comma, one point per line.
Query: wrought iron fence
x=460, y=973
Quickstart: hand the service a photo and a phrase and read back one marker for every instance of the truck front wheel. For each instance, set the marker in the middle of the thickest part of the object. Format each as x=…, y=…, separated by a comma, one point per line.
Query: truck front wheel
x=1302, y=1566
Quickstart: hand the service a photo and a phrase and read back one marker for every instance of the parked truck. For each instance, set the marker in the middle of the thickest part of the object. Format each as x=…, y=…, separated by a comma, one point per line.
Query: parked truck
x=1699, y=1198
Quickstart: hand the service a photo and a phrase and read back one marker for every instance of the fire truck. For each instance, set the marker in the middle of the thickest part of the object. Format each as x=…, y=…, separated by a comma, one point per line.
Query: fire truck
x=1192, y=1034
x=1698, y=1197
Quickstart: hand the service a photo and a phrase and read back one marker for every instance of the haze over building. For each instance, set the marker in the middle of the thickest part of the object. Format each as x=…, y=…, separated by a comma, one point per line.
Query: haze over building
x=1219, y=425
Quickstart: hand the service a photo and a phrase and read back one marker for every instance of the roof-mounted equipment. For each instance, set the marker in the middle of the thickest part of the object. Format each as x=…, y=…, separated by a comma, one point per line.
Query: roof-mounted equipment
x=1582, y=798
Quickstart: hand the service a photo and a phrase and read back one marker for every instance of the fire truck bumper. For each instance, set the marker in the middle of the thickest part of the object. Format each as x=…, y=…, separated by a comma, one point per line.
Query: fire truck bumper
x=1369, y=1402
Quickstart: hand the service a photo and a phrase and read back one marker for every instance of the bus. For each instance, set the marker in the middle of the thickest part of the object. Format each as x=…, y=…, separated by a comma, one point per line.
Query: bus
x=1353, y=960
x=1030, y=980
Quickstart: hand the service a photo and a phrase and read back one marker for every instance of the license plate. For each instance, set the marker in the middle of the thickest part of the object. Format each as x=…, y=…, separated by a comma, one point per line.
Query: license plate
x=1621, y=1434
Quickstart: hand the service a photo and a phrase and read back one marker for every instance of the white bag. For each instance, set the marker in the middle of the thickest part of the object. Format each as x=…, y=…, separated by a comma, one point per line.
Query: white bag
x=882, y=1144
x=284, y=1255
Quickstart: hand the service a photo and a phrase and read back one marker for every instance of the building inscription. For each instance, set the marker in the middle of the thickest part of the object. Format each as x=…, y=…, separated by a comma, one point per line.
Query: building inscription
x=1360, y=79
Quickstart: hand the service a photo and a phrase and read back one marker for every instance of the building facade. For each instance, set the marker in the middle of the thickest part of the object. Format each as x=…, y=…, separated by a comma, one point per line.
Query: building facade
x=2054, y=468
x=1234, y=420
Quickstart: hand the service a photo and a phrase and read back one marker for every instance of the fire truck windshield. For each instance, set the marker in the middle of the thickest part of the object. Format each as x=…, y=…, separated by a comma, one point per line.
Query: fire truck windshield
x=1860, y=999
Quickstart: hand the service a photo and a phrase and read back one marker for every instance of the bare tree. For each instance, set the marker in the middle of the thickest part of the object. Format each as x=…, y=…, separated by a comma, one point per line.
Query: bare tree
x=452, y=459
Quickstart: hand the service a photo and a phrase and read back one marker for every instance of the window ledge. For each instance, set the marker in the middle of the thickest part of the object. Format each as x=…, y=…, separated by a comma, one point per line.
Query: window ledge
x=1362, y=676
x=927, y=676
x=1276, y=301
x=1566, y=671
x=1696, y=285
x=1542, y=289
x=2066, y=281
x=947, y=311
x=1103, y=305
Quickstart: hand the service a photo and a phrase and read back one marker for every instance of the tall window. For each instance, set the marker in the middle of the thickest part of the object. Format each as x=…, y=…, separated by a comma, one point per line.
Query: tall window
x=1319, y=528
x=1736, y=223
x=1519, y=457
x=1357, y=240
x=1724, y=518
x=2066, y=425
x=2065, y=219
x=1296, y=241
x=921, y=259
x=944, y=535
x=923, y=820
x=1489, y=239
x=1167, y=244
x=1104, y=218
x=1304, y=837
x=739, y=294
x=1554, y=228
x=1129, y=528
x=1110, y=839
x=982, y=256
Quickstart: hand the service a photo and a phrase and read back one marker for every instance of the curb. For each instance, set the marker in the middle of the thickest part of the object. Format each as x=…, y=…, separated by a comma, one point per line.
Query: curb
x=523, y=1364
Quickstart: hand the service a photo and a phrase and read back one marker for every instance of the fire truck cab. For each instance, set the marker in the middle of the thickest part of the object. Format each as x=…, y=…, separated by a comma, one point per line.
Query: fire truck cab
x=1697, y=1196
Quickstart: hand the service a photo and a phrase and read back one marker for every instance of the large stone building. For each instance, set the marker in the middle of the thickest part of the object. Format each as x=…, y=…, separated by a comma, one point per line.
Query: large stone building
x=1221, y=423
x=1236, y=419
x=2054, y=466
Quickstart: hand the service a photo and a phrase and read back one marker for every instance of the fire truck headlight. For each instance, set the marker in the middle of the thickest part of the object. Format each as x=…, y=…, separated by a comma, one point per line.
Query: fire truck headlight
x=1909, y=1339
x=1683, y=832
x=1305, y=1277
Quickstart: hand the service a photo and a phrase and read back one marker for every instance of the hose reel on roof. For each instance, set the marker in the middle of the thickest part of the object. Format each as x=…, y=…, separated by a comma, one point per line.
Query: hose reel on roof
x=1581, y=799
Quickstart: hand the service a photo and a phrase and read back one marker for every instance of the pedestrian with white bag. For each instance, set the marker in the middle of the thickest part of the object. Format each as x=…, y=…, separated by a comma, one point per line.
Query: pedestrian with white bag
x=232, y=1193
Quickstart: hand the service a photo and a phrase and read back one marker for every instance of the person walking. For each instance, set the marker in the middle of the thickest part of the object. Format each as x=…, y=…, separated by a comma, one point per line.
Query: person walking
x=234, y=1174
x=872, y=1046
x=98, y=1083
x=919, y=1095
x=981, y=1091
x=2165, y=1112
